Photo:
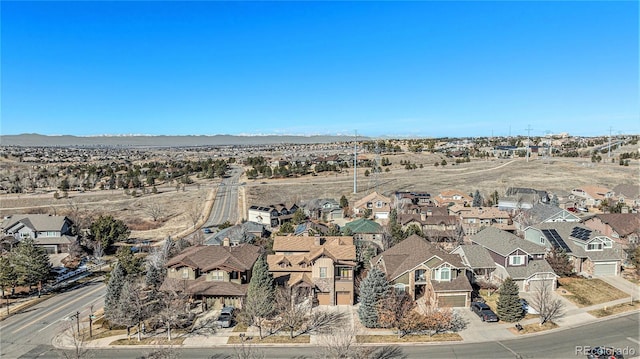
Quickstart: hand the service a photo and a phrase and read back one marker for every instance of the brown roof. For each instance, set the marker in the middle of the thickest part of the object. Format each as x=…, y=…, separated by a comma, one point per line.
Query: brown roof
x=458, y=284
x=201, y=286
x=206, y=258
x=339, y=247
x=410, y=253
x=623, y=223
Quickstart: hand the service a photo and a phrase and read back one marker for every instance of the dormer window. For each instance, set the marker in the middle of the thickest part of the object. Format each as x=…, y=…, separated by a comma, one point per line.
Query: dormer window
x=594, y=246
x=443, y=274
x=185, y=273
x=516, y=260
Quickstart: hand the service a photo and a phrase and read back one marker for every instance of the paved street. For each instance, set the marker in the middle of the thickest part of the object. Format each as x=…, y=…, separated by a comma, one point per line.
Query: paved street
x=28, y=334
x=225, y=205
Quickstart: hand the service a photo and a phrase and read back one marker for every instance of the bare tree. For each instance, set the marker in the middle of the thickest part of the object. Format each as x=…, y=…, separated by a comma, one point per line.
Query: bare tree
x=155, y=210
x=342, y=343
x=396, y=311
x=247, y=351
x=292, y=315
x=194, y=213
x=162, y=353
x=172, y=304
x=78, y=345
x=548, y=305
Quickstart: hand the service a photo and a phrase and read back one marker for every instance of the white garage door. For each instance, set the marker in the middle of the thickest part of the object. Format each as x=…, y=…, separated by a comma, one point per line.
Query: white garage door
x=605, y=269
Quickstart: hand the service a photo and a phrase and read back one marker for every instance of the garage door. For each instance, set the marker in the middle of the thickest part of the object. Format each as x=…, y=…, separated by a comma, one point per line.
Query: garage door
x=452, y=300
x=605, y=269
x=324, y=299
x=343, y=298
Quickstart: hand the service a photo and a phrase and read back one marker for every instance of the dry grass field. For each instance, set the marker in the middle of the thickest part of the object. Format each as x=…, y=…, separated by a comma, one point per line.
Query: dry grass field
x=558, y=175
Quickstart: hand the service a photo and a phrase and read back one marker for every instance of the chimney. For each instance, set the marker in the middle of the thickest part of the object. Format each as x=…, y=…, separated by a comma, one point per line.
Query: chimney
x=423, y=216
x=225, y=242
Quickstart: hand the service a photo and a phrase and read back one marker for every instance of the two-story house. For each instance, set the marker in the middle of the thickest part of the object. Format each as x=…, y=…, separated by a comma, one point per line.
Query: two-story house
x=379, y=205
x=629, y=194
x=591, y=252
x=326, y=209
x=473, y=219
x=436, y=228
x=247, y=232
x=451, y=197
x=317, y=267
x=542, y=213
x=591, y=196
x=273, y=215
x=426, y=272
x=517, y=258
x=623, y=228
x=217, y=275
x=365, y=230
x=517, y=198
x=53, y=233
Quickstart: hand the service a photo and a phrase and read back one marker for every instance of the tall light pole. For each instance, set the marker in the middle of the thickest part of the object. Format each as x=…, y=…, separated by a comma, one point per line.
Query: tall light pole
x=355, y=165
x=528, y=140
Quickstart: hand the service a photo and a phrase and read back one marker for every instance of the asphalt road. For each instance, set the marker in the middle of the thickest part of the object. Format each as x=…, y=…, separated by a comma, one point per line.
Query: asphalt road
x=225, y=205
x=28, y=334
x=621, y=332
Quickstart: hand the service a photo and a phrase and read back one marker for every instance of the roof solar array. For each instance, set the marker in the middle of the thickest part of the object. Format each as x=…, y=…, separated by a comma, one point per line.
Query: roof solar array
x=582, y=234
x=555, y=239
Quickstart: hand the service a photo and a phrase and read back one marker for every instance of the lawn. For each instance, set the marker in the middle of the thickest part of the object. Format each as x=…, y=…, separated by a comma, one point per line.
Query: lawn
x=534, y=328
x=240, y=328
x=620, y=308
x=585, y=292
x=445, y=337
x=272, y=339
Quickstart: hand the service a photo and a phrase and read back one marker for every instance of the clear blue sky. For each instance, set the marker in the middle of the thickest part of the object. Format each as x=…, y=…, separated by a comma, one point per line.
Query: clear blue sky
x=383, y=68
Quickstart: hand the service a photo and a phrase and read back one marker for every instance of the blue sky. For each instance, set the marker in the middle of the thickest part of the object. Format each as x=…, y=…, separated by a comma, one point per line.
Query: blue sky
x=423, y=69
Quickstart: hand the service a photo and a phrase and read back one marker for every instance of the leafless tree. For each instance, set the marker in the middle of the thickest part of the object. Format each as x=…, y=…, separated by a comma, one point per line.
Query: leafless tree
x=548, y=305
x=194, y=213
x=78, y=345
x=291, y=315
x=342, y=343
x=247, y=351
x=155, y=210
x=172, y=303
x=197, y=238
x=162, y=353
x=396, y=310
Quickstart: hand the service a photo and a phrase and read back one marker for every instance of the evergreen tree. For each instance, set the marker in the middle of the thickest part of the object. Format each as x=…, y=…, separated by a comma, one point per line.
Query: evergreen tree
x=344, y=202
x=555, y=201
x=509, y=306
x=560, y=262
x=31, y=263
x=8, y=276
x=477, y=199
x=117, y=278
x=259, y=303
x=131, y=264
x=108, y=230
x=372, y=289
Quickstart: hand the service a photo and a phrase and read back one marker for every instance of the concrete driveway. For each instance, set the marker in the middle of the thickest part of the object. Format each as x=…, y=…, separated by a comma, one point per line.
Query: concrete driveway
x=479, y=331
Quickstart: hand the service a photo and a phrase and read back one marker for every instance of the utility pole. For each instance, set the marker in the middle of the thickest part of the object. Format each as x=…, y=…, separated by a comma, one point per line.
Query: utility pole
x=355, y=165
x=77, y=315
x=91, y=316
x=528, y=140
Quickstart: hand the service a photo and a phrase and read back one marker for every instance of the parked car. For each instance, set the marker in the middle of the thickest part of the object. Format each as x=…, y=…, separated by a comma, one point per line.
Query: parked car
x=225, y=319
x=206, y=230
x=604, y=353
x=484, y=312
x=526, y=308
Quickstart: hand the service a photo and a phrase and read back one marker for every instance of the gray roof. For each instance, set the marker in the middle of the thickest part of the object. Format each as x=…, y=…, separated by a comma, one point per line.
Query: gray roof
x=37, y=222
x=532, y=267
x=564, y=229
x=240, y=233
x=476, y=256
x=541, y=212
x=504, y=243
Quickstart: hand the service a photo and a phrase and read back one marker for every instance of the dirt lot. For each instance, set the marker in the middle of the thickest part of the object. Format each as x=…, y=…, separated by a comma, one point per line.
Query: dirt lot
x=558, y=175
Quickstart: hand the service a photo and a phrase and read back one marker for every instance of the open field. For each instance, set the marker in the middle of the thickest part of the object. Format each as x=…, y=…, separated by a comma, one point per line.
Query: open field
x=558, y=175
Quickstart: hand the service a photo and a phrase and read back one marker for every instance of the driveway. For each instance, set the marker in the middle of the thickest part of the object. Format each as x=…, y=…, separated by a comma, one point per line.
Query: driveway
x=624, y=285
x=479, y=331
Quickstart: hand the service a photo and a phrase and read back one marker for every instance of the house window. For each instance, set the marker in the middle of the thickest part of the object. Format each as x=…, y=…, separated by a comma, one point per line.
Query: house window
x=217, y=276
x=379, y=204
x=399, y=288
x=516, y=260
x=541, y=240
x=234, y=275
x=607, y=243
x=420, y=275
x=344, y=272
x=597, y=246
x=445, y=274
x=185, y=273
x=323, y=272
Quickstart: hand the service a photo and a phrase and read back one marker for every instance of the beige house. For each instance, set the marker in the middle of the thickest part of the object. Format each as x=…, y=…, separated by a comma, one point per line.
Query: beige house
x=379, y=205
x=426, y=272
x=591, y=196
x=451, y=197
x=317, y=267
x=473, y=219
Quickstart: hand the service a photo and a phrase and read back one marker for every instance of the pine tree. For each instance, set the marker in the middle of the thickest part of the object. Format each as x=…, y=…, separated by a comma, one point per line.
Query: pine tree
x=8, y=275
x=260, y=295
x=477, y=199
x=31, y=263
x=373, y=288
x=114, y=287
x=509, y=306
x=560, y=262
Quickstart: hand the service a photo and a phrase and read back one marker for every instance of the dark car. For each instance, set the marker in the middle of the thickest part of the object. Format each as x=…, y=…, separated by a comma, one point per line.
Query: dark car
x=604, y=353
x=484, y=312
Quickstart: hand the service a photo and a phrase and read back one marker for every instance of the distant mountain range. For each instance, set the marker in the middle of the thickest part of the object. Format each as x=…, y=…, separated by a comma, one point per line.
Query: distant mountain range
x=33, y=139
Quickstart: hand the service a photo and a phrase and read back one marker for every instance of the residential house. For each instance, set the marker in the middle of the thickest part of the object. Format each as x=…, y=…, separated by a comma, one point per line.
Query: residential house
x=517, y=258
x=246, y=232
x=327, y=209
x=517, y=198
x=319, y=267
x=379, y=205
x=406, y=198
x=426, y=272
x=542, y=213
x=273, y=215
x=365, y=230
x=474, y=219
x=629, y=194
x=623, y=228
x=53, y=233
x=591, y=252
x=435, y=228
x=311, y=228
x=451, y=197
x=217, y=275
x=591, y=196
x=478, y=260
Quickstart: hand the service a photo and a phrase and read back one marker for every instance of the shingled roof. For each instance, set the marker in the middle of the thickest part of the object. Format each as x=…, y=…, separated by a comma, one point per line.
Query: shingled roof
x=623, y=223
x=410, y=253
x=206, y=258
x=504, y=243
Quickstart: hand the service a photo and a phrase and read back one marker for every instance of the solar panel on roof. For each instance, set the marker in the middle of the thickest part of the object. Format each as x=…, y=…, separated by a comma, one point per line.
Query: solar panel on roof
x=582, y=234
x=555, y=239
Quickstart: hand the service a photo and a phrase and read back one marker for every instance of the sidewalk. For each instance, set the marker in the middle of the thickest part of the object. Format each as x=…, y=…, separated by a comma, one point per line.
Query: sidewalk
x=475, y=332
